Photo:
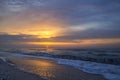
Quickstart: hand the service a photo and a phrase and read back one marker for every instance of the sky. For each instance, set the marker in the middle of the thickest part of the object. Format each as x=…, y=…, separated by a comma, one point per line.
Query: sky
x=60, y=23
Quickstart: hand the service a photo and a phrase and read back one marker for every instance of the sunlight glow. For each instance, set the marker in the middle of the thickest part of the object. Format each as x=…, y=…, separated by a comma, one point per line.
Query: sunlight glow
x=50, y=43
x=46, y=34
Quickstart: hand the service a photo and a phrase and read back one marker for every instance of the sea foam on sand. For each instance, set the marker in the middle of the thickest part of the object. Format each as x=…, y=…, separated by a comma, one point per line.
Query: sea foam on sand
x=111, y=72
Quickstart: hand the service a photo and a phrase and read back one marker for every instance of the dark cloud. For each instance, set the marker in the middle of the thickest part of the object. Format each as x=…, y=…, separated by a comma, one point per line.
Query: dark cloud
x=90, y=34
x=7, y=38
x=76, y=12
x=83, y=11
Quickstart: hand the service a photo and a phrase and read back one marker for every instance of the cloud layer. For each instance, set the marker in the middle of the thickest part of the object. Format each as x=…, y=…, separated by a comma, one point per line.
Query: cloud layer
x=71, y=20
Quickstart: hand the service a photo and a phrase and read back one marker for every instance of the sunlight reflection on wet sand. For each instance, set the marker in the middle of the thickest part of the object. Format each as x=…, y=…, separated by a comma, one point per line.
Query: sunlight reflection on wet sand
x=49, y=70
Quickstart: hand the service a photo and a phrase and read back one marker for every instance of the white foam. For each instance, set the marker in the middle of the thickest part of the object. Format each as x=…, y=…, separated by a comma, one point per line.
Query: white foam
x=3, y=59
x=111, y=72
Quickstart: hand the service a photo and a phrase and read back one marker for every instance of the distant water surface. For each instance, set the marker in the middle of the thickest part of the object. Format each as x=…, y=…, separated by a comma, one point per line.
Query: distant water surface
x=109, y=56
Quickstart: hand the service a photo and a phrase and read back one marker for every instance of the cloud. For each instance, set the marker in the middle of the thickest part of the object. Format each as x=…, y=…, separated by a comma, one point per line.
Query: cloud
x=89, y=34
x=80, y=12
x=81, y=19
x=75, y=12
x=22, y=40
x=69, y=37
x=106, y=13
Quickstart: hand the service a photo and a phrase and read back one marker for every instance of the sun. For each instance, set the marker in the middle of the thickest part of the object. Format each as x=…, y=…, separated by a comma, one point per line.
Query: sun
x=46, y=34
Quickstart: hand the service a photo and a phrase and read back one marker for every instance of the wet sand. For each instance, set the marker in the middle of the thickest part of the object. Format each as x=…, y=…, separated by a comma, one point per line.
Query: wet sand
x=50, y=70
x=8, y=72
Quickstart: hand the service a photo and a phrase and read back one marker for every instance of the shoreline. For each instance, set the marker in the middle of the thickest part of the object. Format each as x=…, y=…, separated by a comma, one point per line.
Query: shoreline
x=109, y=72
x=33, y=76
x=53, y=71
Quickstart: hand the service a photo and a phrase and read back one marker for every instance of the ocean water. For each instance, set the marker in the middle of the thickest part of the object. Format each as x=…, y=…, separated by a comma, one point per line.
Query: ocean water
x=97, y=61
x=93, y=55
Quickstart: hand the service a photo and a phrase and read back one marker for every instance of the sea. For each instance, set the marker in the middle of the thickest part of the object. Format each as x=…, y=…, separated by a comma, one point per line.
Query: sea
x=98, y=61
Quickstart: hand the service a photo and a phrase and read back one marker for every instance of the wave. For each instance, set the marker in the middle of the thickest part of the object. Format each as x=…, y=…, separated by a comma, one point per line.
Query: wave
x=99, y=56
